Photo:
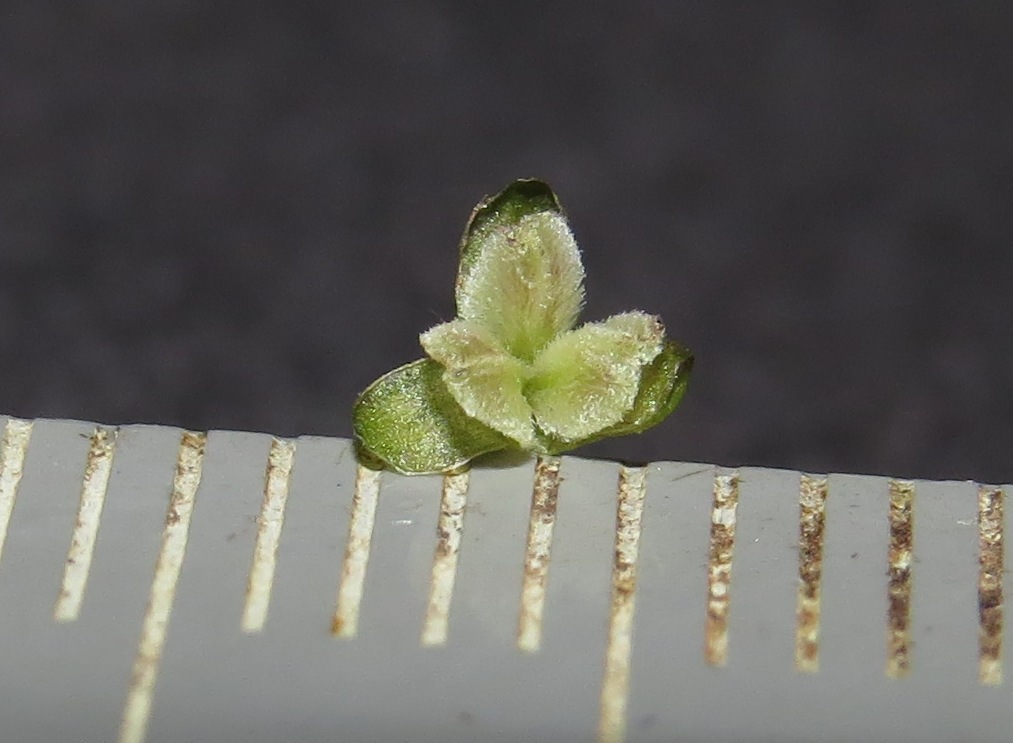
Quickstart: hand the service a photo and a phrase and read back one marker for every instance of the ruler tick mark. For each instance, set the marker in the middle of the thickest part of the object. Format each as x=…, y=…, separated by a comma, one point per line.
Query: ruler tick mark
x=13, y=449
x=269, y=525
x=616, y=680
x=189, y=466
x=812, y=521
x=990, y=577
x=448, y=531
x=98, y=468
x=345, y=621
x=537, y=553
x=719, y=567
x=898, y=660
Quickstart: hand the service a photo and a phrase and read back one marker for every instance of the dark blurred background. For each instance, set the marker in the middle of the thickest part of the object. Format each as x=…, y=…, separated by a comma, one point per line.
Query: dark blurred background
x=238, y=214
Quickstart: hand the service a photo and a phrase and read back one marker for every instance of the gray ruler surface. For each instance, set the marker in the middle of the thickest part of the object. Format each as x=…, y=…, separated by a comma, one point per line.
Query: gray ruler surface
x=164, y=585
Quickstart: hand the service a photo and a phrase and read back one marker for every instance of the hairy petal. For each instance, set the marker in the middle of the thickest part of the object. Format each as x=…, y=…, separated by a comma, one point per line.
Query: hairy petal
x=662, y=385
x=521, y=274
x=483, y=378
x=460, y=343
x=587, y=380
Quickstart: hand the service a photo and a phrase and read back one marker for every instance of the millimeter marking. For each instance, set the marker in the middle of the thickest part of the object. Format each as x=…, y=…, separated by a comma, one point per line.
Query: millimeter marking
x=898, y=646
x=537, y=553
x=990, y=577
x=448, y=544
x=616, y=681
x=812, y=521
x=719, y=567
x=163, y=589
x=269, y=525
x=98, y=467
x=345, y=622
x=13, y=449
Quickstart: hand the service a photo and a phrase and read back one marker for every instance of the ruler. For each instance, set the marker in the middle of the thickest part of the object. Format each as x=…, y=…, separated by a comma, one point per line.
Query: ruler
x=167, y=585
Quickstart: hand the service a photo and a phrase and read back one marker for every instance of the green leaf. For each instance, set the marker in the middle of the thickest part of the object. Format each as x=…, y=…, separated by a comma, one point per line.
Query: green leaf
x=409, y=420
x=484, y=379
x=587, y=379
x=662, y=386
x=520, y=273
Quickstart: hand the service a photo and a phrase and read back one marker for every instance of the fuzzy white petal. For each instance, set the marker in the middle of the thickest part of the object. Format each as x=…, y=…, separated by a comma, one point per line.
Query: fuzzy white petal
x=483, y=378
x=587, y=379
x=525, y=282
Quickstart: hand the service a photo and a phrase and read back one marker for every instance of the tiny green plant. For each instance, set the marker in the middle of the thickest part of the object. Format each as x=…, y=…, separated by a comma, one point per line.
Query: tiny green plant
x=512, y=370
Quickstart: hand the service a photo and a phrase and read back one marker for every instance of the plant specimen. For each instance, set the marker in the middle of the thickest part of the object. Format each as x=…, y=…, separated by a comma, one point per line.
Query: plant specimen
x=513, y=370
